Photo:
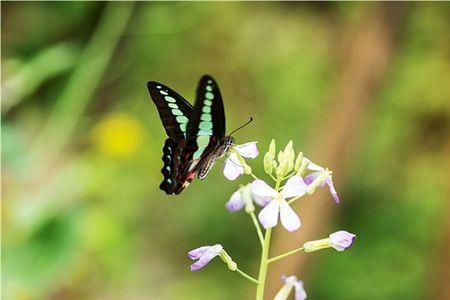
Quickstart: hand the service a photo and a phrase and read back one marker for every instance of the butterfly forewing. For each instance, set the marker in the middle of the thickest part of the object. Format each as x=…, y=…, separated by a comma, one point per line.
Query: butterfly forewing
x=173, y=110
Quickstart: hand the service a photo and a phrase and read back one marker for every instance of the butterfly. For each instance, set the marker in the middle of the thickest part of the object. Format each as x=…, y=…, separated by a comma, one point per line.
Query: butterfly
x=196, y=134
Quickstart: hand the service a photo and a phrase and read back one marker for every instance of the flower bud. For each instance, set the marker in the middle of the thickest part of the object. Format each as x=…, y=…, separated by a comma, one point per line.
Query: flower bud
x=341, y=240
x=280, y=157
x=232, y=266
x=268, y=165
x=303, y=166
x=298, y=162
x=289, y=156
x=269, y=158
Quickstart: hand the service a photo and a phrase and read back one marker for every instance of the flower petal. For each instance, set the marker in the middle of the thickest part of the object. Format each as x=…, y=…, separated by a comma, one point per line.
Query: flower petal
x=236, y=201
x=198, y=252
x=284, y=292
x=294, y=187
x=233, y=168
x=312, y=166
x=300, y=293
x=262, y=189
x=289, y=218
x=311, y=177
x=268, y=216
x=261, y=201
x=210, y=253
x=248, y=150
x=341, y=240
x=329, y=182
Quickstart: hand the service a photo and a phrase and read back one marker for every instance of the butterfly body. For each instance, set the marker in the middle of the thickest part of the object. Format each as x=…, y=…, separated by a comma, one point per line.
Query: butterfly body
x=196, y=134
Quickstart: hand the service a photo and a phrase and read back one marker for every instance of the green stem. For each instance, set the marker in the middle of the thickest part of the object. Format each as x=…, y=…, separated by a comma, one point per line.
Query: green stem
x=258, y=228
x=263, y=266
x=254, y=176
x=247, y=276
x=276, y=258
x=294, y=199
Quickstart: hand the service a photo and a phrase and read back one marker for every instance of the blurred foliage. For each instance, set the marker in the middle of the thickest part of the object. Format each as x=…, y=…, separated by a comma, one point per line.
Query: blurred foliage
x=81, y=144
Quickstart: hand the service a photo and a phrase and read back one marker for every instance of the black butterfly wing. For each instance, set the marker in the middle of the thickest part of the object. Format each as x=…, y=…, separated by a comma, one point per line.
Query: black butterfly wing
x=174, y=111
x=206, y=126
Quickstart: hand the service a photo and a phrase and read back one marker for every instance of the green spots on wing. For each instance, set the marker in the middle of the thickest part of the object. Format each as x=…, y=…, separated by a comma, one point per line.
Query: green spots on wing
x=183, y=127
x=177, y=112
x=209, y=95
x=173, y=105
x=206, y=109
x=205, y=117
x=209, y=88
x=182, y=119
x=208, y=102
x=205, y=125
x=202, y=143
x=163, y=93
x=205, y=132
x=169, y=99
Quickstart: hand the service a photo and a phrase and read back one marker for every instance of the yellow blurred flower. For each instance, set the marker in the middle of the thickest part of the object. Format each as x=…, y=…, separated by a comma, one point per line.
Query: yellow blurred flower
x=118, y=135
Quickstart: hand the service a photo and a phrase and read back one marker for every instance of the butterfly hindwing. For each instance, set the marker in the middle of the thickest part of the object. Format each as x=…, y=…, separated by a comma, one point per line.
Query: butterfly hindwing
x=173, y=110
x=168, y=169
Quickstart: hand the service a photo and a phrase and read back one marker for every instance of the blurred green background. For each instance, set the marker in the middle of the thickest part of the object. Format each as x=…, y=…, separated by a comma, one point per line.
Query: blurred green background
x=82, y=215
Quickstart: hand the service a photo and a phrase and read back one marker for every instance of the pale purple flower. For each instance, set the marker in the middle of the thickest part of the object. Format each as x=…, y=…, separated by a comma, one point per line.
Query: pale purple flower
x=204, y=255
x=327, y=179
x=290, y=283
x=341, y=240
x=233, y=167
x=276, y=202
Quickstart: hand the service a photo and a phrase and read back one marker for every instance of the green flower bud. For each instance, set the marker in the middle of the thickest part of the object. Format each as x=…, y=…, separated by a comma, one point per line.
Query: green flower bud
x=298, y=161
x=303, y=165
x=247, y=195
x=280, y=157
x=272, y=149
x=232, y=266
x=269, y=158
x=268, y=165
x=289, y=156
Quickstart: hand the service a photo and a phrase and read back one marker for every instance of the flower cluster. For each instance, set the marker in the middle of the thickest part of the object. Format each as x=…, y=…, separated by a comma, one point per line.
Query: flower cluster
x=295, y=176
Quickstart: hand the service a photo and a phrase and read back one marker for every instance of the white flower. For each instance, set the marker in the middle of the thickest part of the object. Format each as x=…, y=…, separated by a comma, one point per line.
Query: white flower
x=233, y=166
x=290, y=283
x=277, y=205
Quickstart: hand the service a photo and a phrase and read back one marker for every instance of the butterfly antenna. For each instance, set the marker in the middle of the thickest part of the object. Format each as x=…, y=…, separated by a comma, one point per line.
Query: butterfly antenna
x=242, y=126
